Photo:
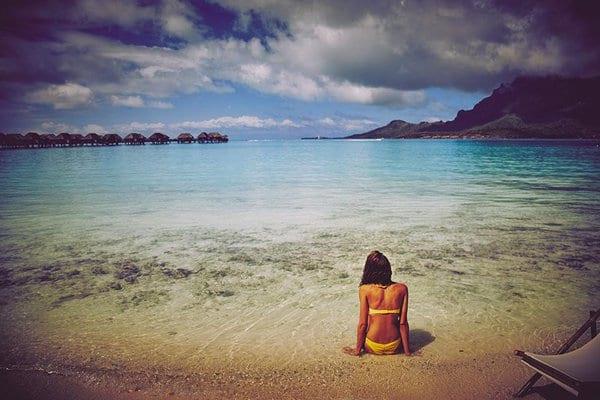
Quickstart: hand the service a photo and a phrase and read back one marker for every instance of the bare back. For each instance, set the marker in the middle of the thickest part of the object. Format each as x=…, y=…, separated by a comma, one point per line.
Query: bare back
x=384, y=328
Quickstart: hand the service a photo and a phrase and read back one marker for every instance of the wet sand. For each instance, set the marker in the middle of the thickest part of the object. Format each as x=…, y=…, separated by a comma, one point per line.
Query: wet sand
x=495, y=376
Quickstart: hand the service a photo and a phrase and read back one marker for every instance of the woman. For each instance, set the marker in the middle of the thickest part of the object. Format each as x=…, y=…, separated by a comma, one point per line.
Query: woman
x=382, y=323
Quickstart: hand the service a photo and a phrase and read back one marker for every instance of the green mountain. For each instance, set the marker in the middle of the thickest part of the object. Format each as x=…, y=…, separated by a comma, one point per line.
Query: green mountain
x=529, y=107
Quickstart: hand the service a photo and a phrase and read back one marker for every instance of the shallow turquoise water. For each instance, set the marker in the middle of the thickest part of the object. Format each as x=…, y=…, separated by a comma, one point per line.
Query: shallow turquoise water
x=484, y=232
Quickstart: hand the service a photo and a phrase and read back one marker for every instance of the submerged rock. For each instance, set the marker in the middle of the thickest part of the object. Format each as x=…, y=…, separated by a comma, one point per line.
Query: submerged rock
x=177, y=273
x=128, y=272
x=99, y=271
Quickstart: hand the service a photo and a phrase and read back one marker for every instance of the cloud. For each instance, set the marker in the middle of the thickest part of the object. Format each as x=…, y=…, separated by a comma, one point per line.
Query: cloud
x=346, y=124
x=160, y=104
x=138, y=102
x=57, y=127
x=68, y=95
x=139, y=54
x=243, y=121
x=412, y=45
x=127, y=101
x=139, y=127
x=125, y=13
x=94, y=128
x=178, y=19
x=240, y=124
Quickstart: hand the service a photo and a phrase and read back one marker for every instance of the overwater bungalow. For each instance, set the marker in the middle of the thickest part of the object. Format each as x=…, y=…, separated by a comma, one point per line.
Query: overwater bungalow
x=76, y=139
x=111, y=139
x=36, y=140
x=159, y=138
x=14, y=140
x=216, y=137
x=185, y=138
x=203, y=137
x=135, y=138
x=32, y=139
x=3, y=140
x=47, y=140
x=92, y=139
x=63, y=139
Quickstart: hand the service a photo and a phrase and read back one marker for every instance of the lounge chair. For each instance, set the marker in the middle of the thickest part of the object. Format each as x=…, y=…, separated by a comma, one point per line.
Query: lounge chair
x=577, y=371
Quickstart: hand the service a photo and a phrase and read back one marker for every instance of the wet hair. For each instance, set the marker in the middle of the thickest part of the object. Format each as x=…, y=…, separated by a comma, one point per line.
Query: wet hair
x=377, y=270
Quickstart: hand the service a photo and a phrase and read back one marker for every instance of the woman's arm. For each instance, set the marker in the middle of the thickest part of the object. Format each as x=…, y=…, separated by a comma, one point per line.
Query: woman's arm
x=361, y=329
x=404, y=330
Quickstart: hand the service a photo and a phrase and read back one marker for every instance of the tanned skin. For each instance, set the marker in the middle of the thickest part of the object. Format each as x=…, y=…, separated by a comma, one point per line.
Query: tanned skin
x=382, y=328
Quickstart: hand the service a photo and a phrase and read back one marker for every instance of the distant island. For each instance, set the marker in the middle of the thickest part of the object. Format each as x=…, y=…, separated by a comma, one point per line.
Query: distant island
x=550, y=107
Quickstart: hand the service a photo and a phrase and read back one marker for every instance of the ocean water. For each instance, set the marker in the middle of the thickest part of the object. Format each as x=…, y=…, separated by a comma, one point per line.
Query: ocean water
x=251, y=252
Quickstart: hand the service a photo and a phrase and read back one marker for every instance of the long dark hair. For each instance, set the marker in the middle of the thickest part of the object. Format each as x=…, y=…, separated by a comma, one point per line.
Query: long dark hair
x=377, y=270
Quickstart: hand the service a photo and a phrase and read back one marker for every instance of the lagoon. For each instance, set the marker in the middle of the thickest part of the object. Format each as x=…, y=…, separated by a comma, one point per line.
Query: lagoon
x=249, y=254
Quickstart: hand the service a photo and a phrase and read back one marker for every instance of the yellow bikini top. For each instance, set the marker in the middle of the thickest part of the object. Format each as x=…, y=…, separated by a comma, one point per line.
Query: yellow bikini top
x=374, y=311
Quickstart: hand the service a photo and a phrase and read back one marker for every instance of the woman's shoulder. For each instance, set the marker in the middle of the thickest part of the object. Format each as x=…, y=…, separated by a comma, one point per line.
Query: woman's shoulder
x=393, y=285
x=400, y=286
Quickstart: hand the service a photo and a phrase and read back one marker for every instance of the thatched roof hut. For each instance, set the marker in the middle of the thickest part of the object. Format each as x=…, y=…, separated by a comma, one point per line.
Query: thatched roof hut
x=47, y=139
x=92, y=139
x=14, y=140
x=215, y=137
x=32, y=136
x=111, y=139
x=135, y=138
x=31, y=139
x=159, y=138
x=76, y=139
x=185, y=138
x=203, y=137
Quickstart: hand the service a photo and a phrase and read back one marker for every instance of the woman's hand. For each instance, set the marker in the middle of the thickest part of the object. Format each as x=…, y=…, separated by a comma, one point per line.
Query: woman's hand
x=351, y=351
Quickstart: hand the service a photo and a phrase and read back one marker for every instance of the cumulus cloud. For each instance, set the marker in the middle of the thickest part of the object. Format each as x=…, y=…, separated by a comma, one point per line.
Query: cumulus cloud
x=378, y=52
x=125, y=13
x=57, y=127
x=138, y=102
x=243, y=121
x=127, y=101
x=140, y=127
x=346, y=124
x=68, y=95
x=160, y=104
x=95, y=128
x=410, y=45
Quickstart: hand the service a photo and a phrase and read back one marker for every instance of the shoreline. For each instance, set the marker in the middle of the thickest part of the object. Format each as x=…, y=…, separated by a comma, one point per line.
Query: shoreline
x=495, y=376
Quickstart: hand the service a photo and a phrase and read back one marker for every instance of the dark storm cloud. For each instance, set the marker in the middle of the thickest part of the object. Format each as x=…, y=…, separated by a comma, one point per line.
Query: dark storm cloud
x=74, y=53
x=468, y=45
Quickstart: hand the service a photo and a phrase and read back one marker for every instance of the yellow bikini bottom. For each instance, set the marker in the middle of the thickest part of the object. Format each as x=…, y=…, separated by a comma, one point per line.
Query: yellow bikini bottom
x=383, y=348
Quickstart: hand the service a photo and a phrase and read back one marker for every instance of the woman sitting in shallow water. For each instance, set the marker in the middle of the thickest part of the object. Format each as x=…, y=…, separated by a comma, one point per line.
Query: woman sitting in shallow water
x=382, y=323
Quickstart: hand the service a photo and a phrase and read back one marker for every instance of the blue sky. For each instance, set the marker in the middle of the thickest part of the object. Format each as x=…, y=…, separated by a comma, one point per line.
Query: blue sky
x=270, y=69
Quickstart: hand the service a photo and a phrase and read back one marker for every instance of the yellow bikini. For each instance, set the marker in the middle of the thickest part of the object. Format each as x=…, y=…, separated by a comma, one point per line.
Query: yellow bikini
x=383, y=348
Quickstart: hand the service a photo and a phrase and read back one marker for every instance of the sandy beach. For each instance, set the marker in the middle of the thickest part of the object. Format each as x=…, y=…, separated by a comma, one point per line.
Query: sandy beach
x=495, y=376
